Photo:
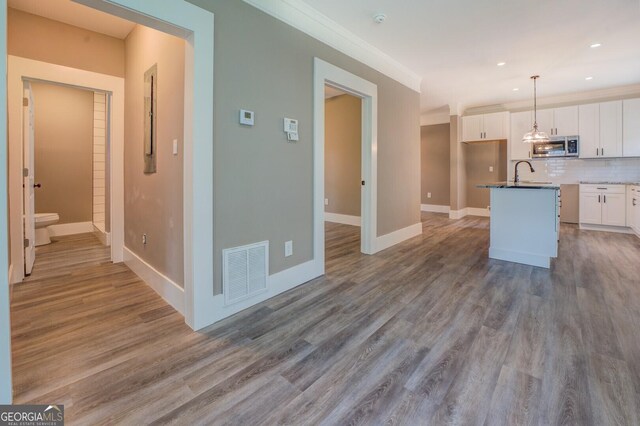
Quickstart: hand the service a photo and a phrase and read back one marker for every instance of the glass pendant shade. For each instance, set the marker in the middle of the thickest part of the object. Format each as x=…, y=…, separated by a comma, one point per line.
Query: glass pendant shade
x=535, y=135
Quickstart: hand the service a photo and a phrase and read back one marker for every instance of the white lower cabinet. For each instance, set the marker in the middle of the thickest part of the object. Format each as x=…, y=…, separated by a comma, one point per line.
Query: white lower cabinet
x=614, y=209
x=633, y=209
x=603, y=205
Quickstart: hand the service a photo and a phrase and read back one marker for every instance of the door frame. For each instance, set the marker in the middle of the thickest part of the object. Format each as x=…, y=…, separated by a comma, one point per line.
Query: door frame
x=328, y=74
x=196, y=26
x=21, y=70
x=28, y=188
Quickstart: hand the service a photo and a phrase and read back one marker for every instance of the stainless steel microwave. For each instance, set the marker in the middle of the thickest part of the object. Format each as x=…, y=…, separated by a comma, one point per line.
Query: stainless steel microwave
x=558, y=146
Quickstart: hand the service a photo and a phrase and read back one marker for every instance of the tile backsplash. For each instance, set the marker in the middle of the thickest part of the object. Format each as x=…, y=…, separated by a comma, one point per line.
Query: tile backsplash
x=568, y=171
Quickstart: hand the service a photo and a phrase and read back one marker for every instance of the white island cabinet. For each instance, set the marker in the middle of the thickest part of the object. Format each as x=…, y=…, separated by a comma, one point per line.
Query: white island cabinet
x=525, y=223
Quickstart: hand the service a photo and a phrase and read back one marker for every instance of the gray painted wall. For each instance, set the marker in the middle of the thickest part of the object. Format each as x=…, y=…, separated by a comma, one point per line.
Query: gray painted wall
x=63, y=151
x=435, y=155
x=480, y=156
x=263, y=185
x=153, y=202
x=343, y=154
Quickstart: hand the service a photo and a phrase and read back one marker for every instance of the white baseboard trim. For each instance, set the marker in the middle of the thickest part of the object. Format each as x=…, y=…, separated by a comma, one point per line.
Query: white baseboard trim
x=345, y=219
x=606, y=228
x=104, y=237
x=62, y=229
x=276, y=284
x=469, y=211
x=171, y=292
x=10, y=277
x=398, y=236
x=475, y=211
x=457, y=214
x=434, y=208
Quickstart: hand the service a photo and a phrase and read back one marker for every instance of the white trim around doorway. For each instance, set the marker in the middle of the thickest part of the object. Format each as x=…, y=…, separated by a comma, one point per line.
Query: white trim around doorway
x=328, y=74
x=195, y=25
x=21, y=69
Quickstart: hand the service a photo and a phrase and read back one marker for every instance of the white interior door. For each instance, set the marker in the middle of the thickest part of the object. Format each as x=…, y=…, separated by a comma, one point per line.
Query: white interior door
x=29, y=196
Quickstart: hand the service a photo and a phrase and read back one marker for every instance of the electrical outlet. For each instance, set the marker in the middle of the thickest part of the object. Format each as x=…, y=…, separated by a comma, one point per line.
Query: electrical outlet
x=490, y=168
x=288, y=248
x=144, y=239
x=428, y=195
x=326, y=201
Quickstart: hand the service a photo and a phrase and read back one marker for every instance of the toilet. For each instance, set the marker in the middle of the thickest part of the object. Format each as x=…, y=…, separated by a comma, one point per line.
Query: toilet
x=42, y=221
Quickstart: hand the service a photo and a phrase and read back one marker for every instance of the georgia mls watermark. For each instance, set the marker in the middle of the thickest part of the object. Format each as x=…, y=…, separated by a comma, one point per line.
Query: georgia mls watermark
x=31, y=415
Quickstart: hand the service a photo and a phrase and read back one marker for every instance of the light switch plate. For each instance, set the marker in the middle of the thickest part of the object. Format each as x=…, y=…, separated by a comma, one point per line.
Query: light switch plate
x=175, y=147
x=288, y=248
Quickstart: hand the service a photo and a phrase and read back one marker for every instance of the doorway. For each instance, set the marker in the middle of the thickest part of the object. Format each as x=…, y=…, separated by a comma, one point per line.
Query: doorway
x=21, y=71
x=65, y=144
x=183, y=20
x=343, y=170
x=326, y=74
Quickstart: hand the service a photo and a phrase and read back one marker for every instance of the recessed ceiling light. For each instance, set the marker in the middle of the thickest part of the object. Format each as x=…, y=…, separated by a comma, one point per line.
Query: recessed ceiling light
x=515, y=89
x=589, y=78
x=501, y=64
x=594, y=45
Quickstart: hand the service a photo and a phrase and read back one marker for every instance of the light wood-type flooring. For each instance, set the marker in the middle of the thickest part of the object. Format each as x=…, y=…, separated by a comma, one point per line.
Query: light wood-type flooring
x=427, y=332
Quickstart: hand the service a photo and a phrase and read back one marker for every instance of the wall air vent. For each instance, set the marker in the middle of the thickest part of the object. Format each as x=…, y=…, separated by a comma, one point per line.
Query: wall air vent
x=244, y=271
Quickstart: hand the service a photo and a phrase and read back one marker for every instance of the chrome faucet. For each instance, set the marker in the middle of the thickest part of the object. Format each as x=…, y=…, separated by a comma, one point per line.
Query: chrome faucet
x=516, y=178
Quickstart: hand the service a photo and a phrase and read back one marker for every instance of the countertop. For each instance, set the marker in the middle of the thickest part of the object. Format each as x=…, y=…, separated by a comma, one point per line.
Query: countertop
x=521, y=185
x=592, y=182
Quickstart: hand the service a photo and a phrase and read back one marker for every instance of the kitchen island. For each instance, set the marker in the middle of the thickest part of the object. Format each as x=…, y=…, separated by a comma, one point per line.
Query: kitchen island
x=525, y=222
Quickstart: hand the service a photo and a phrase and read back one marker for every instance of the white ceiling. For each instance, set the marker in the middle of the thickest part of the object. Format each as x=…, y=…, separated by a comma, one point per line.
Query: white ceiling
x=76, y=14
x=455, y=45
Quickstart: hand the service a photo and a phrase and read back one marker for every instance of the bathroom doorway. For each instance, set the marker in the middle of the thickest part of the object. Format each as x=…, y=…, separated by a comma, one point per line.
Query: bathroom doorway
x=66, y=162
x=27, y=74
x=343, y=172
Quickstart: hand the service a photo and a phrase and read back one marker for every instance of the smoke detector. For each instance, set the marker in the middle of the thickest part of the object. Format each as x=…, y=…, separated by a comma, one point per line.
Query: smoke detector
x=379, y=18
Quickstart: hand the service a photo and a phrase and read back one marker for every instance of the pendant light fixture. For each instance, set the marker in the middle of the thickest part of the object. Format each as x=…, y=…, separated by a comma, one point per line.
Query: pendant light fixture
x=535, y=135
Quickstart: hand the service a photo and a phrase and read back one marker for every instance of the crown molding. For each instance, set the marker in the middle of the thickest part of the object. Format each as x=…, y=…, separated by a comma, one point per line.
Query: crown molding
x=303, y=17
x=599, y=95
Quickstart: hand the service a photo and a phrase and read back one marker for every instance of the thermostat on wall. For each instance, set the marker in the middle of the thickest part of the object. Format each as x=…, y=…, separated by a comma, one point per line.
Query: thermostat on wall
x=291, y=129
x=246, y=117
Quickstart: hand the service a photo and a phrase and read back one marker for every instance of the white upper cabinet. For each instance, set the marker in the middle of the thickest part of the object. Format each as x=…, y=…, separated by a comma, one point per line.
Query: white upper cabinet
x=589, y=130
x=485, y=127
x=545, y=121
x=472, y=128
x=601, y=130
x=611, y=129
x=521, y=123
x=495, y=126
x=631, y=127
x=559, y=121
x=565, y=121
